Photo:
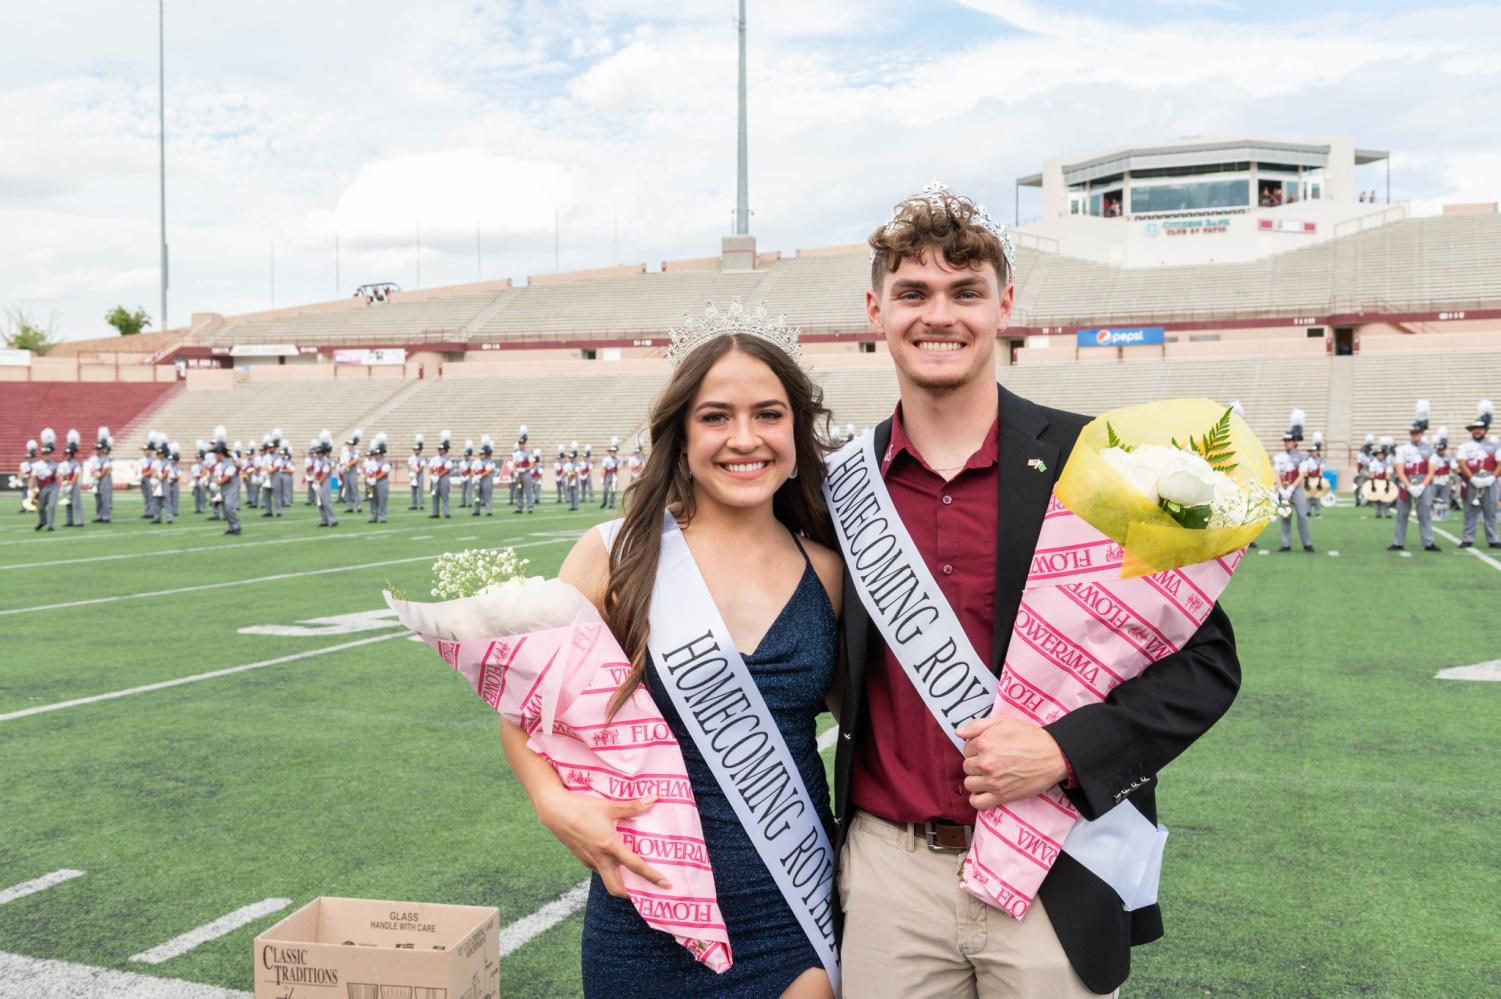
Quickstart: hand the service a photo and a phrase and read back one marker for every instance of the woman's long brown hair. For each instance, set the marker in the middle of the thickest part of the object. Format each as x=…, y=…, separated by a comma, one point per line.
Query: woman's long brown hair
x=664, y=485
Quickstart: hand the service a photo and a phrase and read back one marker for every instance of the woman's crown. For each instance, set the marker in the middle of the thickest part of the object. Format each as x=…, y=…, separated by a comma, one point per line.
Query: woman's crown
x=699, y=330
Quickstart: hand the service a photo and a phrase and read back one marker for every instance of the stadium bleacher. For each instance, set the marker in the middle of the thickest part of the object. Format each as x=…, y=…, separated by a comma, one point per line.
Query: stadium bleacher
x=27, y=407
x=1447, y=261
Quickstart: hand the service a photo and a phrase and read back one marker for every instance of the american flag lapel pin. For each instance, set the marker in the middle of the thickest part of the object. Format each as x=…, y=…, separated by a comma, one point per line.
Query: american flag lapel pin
x=1038, y=464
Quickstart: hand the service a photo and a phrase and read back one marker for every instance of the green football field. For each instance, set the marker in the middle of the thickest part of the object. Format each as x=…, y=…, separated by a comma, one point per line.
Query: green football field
x=1339, y=833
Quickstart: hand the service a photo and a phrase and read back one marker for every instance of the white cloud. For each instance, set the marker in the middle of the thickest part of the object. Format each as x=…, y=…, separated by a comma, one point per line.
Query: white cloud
x=289, y=123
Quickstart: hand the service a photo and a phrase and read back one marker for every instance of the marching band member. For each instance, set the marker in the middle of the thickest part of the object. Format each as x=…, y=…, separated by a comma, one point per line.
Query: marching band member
x=1443, y=470
x=102, y=469
x=1379, y=470
x=349, y=473
x=535, y=479
x=148, y=484
x=1478, y=462
x=557, y=473
x=466, y=473
x=44, y=471
x=634, y=464
x=483, y=473
x=1289, y=469
x=325, y=470
x=1314, y=482
x=173, y=490
x=1362, y=468
x=378, y=476
x=415, y=468
x=586, y=475
x=200, y=471
x=242, y=462
x=1414, y=475
x=521, y=468
x=226, y=481
x=283, y=454
x=254, y=461
x=281, y=471
x=70, y=481
x=571, y=476
x=439, y=469
x=270, y=489
x=27, y=479
x=161, y=483
x=310, y=473
x=611, y=467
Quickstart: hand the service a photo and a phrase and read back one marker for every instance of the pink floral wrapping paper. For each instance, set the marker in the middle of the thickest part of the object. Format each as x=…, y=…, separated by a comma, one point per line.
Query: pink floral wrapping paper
x=1080, y=631
x=556, y=683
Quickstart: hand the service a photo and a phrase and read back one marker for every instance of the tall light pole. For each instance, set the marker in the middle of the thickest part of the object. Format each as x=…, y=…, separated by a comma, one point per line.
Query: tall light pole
x=161, y=106
x=742, y=199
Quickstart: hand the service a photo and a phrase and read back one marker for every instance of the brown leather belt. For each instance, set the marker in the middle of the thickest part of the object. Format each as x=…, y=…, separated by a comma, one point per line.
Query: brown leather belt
x=940, y=836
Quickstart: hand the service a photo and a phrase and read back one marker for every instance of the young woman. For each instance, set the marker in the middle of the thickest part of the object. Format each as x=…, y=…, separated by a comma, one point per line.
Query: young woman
x=738, y=463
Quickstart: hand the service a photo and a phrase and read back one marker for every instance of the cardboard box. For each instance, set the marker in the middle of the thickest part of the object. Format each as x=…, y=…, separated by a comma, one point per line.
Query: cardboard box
x=357, y=948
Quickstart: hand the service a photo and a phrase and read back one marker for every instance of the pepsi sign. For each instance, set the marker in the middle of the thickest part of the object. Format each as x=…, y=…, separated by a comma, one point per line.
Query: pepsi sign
x=1121, y=336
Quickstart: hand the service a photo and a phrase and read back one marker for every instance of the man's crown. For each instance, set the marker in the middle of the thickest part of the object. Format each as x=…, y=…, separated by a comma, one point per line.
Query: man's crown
x=939, y=196
x=699, y=330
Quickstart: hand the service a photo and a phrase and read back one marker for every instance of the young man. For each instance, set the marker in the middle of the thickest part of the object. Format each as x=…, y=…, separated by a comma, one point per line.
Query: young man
x=970, y=468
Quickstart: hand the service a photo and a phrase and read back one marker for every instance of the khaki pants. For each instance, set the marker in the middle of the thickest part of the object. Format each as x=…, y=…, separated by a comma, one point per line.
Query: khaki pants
x=910, y=931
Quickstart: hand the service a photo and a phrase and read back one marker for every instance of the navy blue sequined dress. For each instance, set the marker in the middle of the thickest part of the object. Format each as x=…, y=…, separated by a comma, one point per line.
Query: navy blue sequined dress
x=623, y=957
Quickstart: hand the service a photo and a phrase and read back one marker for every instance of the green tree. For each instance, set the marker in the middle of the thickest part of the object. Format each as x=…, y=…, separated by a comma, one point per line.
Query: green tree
x=25, y=333
x=128, y=323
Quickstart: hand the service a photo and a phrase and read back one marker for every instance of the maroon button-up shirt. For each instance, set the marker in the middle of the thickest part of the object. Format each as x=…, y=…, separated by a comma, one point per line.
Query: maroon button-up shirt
x=905, y=768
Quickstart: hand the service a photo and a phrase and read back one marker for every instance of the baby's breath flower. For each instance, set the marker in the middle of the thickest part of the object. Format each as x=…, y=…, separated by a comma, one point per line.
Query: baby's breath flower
x=474, y=570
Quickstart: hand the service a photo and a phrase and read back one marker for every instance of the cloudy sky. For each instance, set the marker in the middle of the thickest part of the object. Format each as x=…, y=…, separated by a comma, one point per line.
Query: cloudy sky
x=291, y=124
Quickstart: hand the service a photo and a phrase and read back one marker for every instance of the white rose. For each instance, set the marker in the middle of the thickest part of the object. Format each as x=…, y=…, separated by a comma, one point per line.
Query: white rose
x=1134, y=470
x=1186, y=487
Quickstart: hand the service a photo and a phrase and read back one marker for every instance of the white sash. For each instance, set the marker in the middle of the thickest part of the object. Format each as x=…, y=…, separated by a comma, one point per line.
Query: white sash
x=728, y=721
x=900, y=594
x=1121, y=847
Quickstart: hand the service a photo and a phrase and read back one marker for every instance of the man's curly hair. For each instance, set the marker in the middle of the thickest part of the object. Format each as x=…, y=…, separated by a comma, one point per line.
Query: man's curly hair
x=949, y=225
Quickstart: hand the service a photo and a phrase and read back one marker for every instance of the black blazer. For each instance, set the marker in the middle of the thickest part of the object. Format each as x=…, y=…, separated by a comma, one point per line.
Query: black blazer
x=1116, y=747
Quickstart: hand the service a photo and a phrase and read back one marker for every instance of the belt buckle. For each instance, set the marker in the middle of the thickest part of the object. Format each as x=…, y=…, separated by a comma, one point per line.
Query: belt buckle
x=947, y=837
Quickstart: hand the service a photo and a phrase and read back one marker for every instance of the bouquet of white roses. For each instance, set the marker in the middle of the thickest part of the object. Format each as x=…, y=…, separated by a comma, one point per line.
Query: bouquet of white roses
x=1191, y=482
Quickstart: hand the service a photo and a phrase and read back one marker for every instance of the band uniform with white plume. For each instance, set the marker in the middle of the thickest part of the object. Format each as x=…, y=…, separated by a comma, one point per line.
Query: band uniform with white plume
x=712, y=324
x=940, y=198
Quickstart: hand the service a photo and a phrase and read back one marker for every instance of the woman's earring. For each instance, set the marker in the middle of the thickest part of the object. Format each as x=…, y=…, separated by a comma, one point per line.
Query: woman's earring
x=687, y=469
x=793, y=474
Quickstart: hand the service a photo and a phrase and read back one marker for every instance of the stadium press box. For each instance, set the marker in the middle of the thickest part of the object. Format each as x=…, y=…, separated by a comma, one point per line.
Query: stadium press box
x=356, y=948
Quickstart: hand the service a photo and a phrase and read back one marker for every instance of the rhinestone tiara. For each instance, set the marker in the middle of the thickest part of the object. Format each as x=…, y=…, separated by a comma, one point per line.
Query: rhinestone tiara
x=937, y=194
x=699, y=330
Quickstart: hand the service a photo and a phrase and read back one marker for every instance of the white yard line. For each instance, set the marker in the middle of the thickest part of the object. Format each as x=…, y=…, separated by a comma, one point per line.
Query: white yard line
x=826, y=738
x=526, y=928
x=179, y=681
x=222, y=926
x=36, y=978
x=1482, y=556
x=1479, y=671
x=230, y=546
x=243, y=582
x=104, y=531
x=35, y=885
